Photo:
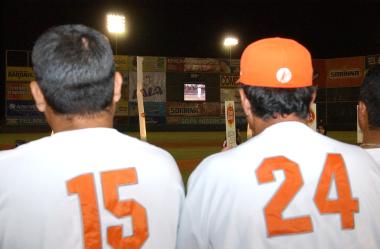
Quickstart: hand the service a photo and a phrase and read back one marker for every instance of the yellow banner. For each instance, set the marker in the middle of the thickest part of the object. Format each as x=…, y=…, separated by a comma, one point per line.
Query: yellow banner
x=20, y=74
x=18, y=91
x=121, y=62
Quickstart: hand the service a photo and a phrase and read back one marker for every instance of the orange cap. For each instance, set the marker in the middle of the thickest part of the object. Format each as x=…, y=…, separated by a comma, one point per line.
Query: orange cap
x=276, y=62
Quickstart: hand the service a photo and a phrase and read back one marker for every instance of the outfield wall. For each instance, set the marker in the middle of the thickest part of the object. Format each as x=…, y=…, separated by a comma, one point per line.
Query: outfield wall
x=338, y=81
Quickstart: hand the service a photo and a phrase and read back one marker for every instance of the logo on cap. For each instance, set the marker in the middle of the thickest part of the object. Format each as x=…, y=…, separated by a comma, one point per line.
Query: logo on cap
x=284, y=75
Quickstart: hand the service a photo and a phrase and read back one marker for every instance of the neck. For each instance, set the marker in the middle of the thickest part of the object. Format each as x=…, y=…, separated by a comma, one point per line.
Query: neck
x=261, y=125
x=372, y=137
x=60, y=123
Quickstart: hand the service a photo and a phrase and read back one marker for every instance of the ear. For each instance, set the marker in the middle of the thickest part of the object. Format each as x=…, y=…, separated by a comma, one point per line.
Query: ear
x=245, y=103
x=38, y=96
x=362, y=116
x=117, y=87
x=313, y=97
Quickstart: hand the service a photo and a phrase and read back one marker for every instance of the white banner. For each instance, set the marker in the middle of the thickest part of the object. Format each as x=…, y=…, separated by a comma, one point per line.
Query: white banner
x=239, y=112
x=230, y=123
x=154, y=87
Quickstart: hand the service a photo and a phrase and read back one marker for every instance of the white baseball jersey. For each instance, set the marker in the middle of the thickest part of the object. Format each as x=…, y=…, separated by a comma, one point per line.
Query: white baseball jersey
x=289, y=187
x=89, y=188
x=375, y=154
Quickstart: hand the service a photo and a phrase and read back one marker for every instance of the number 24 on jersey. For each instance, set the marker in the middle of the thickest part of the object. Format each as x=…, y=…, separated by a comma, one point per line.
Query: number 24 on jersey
x=334, y=170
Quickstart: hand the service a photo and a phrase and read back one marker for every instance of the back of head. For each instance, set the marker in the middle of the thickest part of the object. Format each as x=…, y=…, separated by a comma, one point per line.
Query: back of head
x=276, y=76
x=370, y=95
x=74, y=68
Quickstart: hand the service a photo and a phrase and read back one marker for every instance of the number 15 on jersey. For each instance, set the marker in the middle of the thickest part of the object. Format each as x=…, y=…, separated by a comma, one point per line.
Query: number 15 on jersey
x=84, y=186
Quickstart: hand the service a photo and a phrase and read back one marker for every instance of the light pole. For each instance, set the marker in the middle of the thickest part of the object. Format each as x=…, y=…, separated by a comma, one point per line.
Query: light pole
x=230, y=42
x=116, y=25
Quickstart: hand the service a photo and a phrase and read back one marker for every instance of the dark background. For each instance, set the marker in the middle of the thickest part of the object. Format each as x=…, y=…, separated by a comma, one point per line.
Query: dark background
x=196, y=28
x=182, y=28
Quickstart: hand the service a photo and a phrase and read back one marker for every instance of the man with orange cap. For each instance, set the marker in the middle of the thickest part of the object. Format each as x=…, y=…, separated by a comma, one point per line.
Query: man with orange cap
x=289, y=186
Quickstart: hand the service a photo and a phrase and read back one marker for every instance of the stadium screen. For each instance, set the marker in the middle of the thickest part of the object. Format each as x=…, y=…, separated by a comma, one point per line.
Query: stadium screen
x=194, y=92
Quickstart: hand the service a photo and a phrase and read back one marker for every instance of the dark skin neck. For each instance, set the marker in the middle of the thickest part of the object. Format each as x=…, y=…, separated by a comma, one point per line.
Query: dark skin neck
x=260, y=125
x=371, y=136
x=60, y=123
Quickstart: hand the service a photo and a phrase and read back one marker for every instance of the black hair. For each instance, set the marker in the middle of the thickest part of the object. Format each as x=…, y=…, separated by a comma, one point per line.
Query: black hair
x=370, y=95
x=269, y=102
x=74, y=68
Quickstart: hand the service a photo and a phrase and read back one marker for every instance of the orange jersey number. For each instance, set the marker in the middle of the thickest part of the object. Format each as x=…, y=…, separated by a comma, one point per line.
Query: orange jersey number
x=84, y=186
x=344, y=204
x=292, y=184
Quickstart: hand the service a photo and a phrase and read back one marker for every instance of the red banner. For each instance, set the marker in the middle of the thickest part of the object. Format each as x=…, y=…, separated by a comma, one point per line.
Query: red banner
x=345, y=72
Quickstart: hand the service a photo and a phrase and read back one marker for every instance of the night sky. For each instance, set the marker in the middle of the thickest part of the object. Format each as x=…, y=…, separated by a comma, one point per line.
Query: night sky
x=196, y=28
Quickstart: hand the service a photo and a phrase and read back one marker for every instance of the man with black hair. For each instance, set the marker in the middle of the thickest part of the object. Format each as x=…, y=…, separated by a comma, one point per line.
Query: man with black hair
x=288, y=186
x=87, y=185
x=369, y=112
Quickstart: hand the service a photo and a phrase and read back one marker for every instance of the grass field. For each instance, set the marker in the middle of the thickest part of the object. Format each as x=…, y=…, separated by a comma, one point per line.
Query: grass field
x=188, y=148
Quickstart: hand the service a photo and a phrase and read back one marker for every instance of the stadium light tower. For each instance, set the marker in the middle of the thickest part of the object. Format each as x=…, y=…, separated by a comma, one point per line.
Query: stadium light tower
x=230, y=42
x=116, y=25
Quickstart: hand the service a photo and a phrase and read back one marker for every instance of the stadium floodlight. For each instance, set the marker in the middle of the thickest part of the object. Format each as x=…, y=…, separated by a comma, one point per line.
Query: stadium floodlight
x=116, y=25
x=230, y=42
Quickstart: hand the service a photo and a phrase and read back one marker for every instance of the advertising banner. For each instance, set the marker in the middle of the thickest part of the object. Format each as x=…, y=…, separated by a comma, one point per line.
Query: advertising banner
x=239, y=112
x=345, y=72
x=229, y=94
x=149, y=120
x=18, y=91
x=122, y=108
x=230, y=123
x=229, y=67
x=150, y=64
x=228, y=80
x=208, y=65
x=193, y=109
x=30, y=121
x=151, y=109
x=319, y=72
x=20, y=74
x=154, y=86
x=22, y=108
x=121, y=62
x=371, y=60
x=193, y=120
x=175, y=64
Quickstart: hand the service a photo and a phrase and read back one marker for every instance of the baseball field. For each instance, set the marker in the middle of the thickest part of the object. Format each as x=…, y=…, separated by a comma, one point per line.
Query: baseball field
x=188, y=148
